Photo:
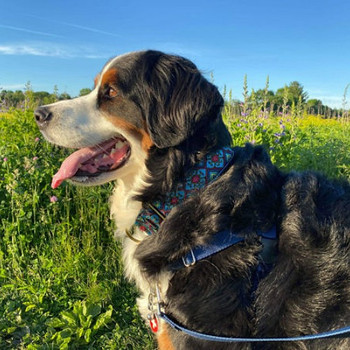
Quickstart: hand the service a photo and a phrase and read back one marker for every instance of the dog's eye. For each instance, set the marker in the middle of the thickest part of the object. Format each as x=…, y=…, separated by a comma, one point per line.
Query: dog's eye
x=111, y=92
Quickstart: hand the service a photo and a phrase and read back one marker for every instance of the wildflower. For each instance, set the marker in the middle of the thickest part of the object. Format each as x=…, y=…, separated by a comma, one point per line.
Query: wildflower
x=53, y=199
x=35, y=158
x=5, y=159
x=260, y=124
x=239, y=125
x=277, y=134
x=37, y=139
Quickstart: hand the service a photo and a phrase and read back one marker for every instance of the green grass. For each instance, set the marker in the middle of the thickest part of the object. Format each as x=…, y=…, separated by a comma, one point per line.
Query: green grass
x=61, y=280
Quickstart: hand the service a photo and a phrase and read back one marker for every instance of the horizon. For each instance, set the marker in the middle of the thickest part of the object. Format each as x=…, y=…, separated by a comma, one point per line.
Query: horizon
x=47, y=45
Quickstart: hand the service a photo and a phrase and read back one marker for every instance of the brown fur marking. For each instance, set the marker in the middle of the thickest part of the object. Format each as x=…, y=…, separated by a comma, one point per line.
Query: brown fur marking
x=109, y=77
x=164, y=341
x=140, y=133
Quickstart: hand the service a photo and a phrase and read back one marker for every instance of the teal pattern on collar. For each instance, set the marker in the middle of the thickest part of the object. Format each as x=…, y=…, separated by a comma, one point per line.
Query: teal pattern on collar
x=196, y=178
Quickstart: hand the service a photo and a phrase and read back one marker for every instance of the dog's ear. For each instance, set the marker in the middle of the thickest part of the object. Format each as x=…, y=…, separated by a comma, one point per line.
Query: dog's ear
x=182, y=101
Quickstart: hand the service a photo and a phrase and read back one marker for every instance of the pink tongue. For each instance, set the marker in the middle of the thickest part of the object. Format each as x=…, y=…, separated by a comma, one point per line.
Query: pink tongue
x=71, y=164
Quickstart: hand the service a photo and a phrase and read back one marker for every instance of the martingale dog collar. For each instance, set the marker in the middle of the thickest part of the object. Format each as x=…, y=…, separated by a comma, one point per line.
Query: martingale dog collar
x=212, y=166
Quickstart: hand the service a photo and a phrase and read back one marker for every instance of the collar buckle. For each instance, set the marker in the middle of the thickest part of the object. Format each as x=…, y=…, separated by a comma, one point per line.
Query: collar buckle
x=186, y=259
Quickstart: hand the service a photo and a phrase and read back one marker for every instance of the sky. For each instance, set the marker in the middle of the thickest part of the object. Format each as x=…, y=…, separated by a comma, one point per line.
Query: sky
x=67, y=42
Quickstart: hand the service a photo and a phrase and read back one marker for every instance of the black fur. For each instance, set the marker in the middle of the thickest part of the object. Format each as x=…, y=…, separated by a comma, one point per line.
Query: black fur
x=308, y=290
x=181, y=109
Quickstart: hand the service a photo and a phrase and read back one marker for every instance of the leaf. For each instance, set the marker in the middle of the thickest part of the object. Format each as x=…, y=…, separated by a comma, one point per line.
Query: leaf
x=103, y=319
x=64, y=346
x=55, y=323
x=87, y=335
x=30, y=307
x=10, y=330
x=92, y=310
x=80, y=332
x=66, y=333
x=69, y=317
x=85, y=321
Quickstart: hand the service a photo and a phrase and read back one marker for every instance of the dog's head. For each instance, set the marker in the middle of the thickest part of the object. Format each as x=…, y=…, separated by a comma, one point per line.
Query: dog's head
x=141, y=101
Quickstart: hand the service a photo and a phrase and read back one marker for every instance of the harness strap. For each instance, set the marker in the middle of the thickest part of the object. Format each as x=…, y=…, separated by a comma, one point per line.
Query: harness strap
x=339, y=333
x=220, y=241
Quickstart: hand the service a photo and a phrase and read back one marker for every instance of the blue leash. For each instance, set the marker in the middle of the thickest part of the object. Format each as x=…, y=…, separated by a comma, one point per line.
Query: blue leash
x=219, y=242
x=343, y=332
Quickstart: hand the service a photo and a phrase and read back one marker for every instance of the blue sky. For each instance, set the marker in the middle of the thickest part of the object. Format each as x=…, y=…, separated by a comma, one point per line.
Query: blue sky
x=66, y=43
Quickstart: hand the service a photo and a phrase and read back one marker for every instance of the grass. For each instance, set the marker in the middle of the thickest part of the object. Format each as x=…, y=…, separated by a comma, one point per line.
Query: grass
x=61, y=280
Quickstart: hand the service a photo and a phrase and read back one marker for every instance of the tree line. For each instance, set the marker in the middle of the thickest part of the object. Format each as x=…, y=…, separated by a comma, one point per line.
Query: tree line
x=292, y=96
x=27, y=98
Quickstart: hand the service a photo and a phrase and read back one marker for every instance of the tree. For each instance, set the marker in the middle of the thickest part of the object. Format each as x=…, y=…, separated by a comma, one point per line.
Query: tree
x=314, y=106
x=294, y=90
x=43, y=98
x=84, y=91
x=264, y=96
x=64, y=96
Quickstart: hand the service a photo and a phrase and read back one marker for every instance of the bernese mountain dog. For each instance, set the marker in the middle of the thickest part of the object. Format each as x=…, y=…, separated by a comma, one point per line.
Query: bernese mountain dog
x=153, y=123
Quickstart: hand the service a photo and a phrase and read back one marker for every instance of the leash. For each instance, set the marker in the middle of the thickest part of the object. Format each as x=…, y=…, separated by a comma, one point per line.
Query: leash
x=149, y=222
x=219, y=242
x=340, y=332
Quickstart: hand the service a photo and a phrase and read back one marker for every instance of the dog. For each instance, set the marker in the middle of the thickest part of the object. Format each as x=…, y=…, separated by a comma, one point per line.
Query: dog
x=154, y=124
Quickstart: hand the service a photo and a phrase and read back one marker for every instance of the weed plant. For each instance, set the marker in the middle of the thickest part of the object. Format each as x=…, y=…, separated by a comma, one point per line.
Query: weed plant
x=61, y=281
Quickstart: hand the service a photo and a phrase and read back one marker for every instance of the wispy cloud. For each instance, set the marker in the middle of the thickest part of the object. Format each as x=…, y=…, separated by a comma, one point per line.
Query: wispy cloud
x=48, y=49
x=89, y=29
x=77, y=26
x=12, y=86
x=19, y=29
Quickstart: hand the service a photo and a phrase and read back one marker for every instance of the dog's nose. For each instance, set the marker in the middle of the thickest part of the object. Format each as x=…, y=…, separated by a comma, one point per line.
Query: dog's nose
x=42, y=116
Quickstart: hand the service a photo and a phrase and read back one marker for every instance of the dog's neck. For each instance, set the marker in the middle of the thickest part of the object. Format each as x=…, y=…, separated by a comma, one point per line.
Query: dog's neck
x=213, y=165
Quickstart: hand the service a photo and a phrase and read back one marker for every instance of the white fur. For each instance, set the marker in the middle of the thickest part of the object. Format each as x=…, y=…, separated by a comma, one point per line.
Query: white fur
x=78, y=123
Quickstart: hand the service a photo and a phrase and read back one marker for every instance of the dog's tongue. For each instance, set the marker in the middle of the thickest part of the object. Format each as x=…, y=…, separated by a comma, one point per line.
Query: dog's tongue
x=71, y=164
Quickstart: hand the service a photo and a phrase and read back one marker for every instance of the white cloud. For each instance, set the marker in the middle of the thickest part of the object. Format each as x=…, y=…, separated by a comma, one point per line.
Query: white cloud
x=12, y=86
x=20, y=29
x=48, y=49
x=32, y=50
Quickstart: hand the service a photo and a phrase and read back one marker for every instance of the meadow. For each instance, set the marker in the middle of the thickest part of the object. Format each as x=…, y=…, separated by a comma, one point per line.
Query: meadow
x=61, y=279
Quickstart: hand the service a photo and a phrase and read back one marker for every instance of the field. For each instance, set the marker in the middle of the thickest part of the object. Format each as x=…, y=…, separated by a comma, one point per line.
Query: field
x=61, y=281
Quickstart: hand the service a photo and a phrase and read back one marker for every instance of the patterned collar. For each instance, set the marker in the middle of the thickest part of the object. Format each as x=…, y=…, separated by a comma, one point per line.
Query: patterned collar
x=212, y=166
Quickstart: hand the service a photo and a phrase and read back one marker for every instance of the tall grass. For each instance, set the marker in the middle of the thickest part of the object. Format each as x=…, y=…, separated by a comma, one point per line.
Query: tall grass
x=61, y=280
